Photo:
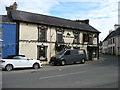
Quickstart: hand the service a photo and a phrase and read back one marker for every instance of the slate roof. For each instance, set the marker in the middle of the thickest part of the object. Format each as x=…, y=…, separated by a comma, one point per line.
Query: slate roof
x=118, y=31
x=113, y=34
x=5, y=18
x=50, y=20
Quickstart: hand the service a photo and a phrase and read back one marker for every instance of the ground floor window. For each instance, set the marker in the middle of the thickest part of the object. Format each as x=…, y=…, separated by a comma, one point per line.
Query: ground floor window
x=42, y=53
x=59, y=47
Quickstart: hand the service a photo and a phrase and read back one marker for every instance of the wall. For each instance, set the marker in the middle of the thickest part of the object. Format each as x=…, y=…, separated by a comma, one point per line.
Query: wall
x=105, y=47
x=118, y=45
x=9, y=39
x=30, y=48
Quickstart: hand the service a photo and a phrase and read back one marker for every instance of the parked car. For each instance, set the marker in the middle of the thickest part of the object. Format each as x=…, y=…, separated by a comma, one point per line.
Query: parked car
x=69, y=56
x=19, y=61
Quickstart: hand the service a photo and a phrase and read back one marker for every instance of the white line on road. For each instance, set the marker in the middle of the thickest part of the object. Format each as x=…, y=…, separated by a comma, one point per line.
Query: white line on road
x=62, y=75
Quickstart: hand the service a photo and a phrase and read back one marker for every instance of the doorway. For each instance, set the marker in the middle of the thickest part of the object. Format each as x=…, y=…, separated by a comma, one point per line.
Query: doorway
x=42, y=53
x=92, y=52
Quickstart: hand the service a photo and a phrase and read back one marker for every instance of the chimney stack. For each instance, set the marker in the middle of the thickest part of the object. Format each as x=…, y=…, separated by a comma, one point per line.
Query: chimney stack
x=83, y=21
x=110, y=31
x=11, y=7
x=116, y=26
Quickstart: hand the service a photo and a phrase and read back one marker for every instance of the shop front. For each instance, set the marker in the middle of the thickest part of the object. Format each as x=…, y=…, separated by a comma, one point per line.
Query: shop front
x=60, y=47
x=93, y=52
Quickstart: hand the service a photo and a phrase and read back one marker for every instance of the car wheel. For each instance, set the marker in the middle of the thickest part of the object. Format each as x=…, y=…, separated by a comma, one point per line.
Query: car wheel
x=9, y=67
x=62, y=63
x=36, y=66
x=83, y=61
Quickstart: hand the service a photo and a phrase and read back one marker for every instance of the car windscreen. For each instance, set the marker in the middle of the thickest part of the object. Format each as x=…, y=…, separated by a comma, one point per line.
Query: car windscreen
x=12, y=56
x=19, y=57
x=60, y=52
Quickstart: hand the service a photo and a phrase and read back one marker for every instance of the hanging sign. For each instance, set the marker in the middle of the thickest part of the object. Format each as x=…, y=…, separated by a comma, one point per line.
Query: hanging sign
x=85, y=37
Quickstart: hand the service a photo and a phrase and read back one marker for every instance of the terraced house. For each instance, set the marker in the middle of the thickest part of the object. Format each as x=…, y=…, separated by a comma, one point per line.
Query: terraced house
x=111, y=44
x=41, y=36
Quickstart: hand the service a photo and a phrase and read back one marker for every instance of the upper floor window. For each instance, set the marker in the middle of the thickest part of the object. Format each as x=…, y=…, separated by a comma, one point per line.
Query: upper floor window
x=108, y=42
x=90, y=39
x=59, y=35
x=42, y=34
x=113, y=40
x=76, y=37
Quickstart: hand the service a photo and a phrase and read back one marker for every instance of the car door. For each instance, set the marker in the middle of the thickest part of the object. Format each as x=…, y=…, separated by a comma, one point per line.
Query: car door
x=74, y=56
x=25, y=62
x=16, y=61
x=29, y=62
x=67, y=56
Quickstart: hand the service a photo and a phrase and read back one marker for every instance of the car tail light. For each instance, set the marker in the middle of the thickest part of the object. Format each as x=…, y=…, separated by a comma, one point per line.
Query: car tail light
x=2, y=61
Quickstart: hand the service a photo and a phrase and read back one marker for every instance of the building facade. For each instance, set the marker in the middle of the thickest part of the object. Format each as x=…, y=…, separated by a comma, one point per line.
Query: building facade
x=111, y=43
x=8, y=36
x=41, y=37
x=47, y=43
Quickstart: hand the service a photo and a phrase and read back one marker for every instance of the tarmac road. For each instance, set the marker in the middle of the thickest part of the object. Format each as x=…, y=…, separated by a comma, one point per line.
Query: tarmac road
x=93, y=74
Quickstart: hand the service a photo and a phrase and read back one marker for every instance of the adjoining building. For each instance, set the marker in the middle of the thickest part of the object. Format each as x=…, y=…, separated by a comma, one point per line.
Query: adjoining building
x=1, y=38
x=40, y=36
x=8, y=36
x=1, y=42
x=111, y=44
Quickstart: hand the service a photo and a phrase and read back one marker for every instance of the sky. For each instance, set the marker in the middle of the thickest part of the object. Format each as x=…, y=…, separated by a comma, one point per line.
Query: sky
x=103, y=14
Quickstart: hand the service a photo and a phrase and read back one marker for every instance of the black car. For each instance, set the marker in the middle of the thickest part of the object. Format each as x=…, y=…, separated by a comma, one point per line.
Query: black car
x=69, y=56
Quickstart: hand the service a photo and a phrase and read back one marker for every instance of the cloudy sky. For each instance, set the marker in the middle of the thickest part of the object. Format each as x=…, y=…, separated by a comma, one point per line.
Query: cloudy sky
x=103, y=14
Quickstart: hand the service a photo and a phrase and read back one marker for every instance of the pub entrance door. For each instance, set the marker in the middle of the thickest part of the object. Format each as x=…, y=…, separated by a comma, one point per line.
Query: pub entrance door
x=42, y=53
x=92, y=52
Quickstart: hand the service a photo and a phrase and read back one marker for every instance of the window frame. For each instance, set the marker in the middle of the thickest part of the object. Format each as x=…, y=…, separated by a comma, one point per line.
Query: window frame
x=59, y=39
x=90, y=38
x=42, y=29
x=76, y=34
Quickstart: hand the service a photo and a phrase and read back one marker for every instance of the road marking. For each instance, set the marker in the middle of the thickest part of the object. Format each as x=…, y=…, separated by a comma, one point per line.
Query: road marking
x=62, y=75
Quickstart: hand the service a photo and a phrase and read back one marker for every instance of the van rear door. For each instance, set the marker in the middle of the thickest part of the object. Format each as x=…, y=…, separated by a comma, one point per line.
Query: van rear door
x=81, y=54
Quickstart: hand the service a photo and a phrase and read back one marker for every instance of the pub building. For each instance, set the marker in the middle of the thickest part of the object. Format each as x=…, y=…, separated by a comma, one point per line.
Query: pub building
x=42, y=36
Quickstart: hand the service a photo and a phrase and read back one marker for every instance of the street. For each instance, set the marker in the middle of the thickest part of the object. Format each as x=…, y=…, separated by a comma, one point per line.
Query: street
x=93, y=74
